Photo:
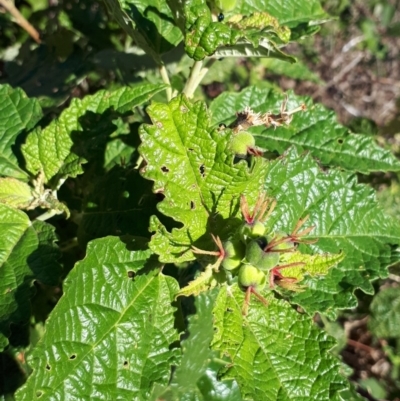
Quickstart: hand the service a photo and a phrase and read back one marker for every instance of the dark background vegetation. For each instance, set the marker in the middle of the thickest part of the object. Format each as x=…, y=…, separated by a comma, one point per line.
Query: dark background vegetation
x=351, y=66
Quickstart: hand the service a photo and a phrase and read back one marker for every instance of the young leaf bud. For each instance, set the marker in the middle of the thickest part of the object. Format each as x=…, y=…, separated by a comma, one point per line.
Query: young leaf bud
x=250, y=276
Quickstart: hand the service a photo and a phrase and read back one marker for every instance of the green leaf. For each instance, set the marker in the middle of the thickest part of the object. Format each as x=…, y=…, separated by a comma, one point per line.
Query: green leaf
x=292, y=13
x=119, y=210
x=27, y=253
x=192, y=166
x=297, y=70
x=123, y=330
x=196, y=376
x=315, y=130
x=385, y=310
x=50, y=149
x=347, y=219
x=149, y=22
x=15, y=193
x=276, y=354
x=315, y=265
x=18, y=114
x=203, y=282
x=204, y=36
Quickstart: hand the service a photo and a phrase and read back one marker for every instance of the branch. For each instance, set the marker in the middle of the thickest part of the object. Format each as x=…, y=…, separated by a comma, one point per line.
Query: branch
x=20, y=19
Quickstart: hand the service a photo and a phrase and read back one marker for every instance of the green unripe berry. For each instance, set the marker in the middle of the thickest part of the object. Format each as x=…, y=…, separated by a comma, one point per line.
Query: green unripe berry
x=240, y=142
x=256, y=255
x=252, y=231
x=234, y=253
x=250, y=276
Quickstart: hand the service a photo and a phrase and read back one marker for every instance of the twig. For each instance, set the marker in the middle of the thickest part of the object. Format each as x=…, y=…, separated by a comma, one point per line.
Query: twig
x=356, y=344
x=20, y=19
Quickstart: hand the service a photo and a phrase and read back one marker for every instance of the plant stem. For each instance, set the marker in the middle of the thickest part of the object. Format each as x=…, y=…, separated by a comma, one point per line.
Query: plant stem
x=193, y=82
x=165, y=78
x=20, y=19
x=47, y=215
x=204, y=71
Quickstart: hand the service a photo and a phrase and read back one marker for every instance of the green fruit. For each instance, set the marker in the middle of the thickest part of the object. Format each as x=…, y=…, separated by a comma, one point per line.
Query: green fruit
x=240, y=142
x=252, y=231
x=234, y=253
x=255, y=255
x=250, y=276
x=225, y=5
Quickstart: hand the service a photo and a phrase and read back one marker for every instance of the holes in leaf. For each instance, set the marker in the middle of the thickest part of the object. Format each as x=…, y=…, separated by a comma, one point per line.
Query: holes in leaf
x=229, y=310
x=131, y=274
x=164, y=169
x=39, y=393
x=190, y=149
x=126, y=364
x=340, y=141
x=192, y=205
x=72, y=357
x=202, y=170
x=48, y=367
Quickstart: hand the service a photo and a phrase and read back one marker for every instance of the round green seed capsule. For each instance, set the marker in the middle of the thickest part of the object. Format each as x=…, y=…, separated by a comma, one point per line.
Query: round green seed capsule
x=250, y=276
x=240, y=142
x=252, y=231
x=234, y=253
x=256, y=255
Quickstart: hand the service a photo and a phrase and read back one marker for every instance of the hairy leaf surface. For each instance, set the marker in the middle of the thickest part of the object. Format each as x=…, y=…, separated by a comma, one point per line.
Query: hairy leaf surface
x=195, y=379
x=291, y=13
x=110, y=336
x=149, y=22
x=18, y=113
x=15, y=193
x=385, y=309
x=27, y=252
x=50, y=149
x=191, y=165
x=347, y=218
x=205, y=36
x=276, y=354
x=315, y=130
